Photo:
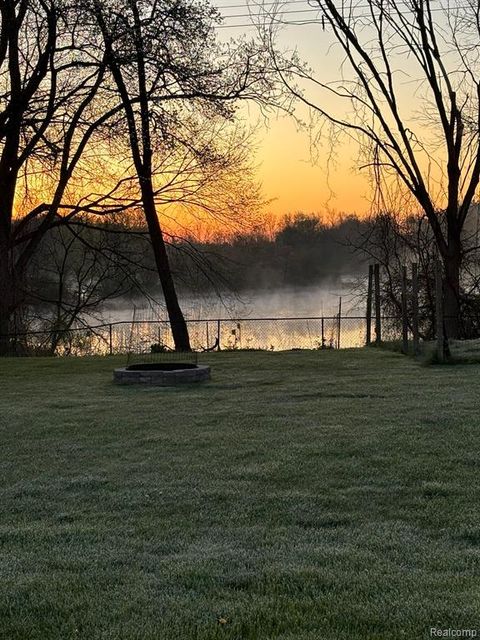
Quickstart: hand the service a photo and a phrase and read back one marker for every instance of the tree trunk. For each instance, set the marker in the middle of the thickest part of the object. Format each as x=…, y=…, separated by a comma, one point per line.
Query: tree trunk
x=175, y=315
x=4, y=329
x=5, y=299
x=452, y=263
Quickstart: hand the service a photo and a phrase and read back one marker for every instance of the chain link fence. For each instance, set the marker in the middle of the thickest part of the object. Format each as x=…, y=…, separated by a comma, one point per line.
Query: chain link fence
x=220, y=334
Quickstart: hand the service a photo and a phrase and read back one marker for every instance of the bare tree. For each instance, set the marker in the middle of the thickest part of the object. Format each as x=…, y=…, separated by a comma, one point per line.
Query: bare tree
x=17, y=90
x=75, y=271
x=167, y=68
x=79, y=83
x=411, y=94
x=48, y=85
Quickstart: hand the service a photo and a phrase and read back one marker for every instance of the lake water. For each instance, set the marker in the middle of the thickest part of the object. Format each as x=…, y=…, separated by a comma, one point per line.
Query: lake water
x=302, y=302
x=268, y=319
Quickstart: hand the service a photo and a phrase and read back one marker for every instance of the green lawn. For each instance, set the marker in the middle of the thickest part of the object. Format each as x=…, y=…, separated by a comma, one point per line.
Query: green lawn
x=304, y=495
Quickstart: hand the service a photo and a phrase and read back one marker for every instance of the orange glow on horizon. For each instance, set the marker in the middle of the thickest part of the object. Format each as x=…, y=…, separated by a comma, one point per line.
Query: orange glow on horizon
x=290, y=183
x=295, y=183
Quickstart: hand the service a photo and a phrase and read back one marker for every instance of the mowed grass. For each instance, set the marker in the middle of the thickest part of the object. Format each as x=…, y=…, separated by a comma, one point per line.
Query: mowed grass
x=304, y=495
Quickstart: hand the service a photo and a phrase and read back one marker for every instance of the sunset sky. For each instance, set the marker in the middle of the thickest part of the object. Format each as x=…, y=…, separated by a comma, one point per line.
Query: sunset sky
x=286, y=170
x=292, y=181
x=297, y=184
x=283, y=152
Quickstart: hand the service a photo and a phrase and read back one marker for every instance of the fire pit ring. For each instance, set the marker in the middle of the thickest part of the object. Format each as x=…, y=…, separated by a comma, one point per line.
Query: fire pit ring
x=162, y=374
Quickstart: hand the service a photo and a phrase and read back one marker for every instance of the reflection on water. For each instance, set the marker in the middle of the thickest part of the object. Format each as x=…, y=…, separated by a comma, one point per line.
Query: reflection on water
x=269, y=303
x=272, y=320
x=144, y=337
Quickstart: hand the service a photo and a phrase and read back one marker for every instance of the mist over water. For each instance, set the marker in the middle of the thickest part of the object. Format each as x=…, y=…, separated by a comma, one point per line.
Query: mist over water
x=275, y=319
x=284, y=302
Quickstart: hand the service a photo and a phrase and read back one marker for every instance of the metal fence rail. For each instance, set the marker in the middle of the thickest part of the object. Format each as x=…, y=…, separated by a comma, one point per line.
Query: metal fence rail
x=219, y=334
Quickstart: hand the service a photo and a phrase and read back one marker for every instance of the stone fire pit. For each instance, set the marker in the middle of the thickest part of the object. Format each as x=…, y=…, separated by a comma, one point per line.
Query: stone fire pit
x=162, y=374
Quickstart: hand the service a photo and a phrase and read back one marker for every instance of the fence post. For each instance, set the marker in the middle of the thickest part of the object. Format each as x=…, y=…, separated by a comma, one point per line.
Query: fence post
x=404, y=312
x=323, y=332
x=369, y=304
x=110, y=338
x=219, y=348
x=415, y=322
x=439, y=310
x=378, y=310
x=339, y=321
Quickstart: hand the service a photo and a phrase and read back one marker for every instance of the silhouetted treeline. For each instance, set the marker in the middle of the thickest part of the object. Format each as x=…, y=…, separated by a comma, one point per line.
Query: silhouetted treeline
x=302, y=251
x=80, y=267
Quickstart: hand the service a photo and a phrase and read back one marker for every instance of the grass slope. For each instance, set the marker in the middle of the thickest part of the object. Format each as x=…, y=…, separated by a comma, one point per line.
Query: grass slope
x=306, y=495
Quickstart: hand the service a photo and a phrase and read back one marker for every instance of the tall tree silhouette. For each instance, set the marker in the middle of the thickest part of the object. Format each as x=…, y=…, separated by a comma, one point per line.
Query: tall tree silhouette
x=410, y=85
x=165, y=64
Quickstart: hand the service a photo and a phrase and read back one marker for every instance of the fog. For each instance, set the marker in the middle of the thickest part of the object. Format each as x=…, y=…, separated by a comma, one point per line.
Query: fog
x=285, y=302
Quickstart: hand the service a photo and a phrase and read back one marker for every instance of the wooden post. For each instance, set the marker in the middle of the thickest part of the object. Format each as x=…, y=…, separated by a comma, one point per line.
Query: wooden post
x=439, y=310
x=415, y=321
x=404, y=312
x=110, y=338
x=219, y=348
x=323, y=332
x=369, y=304
x=378, y=311
x=339, y=321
